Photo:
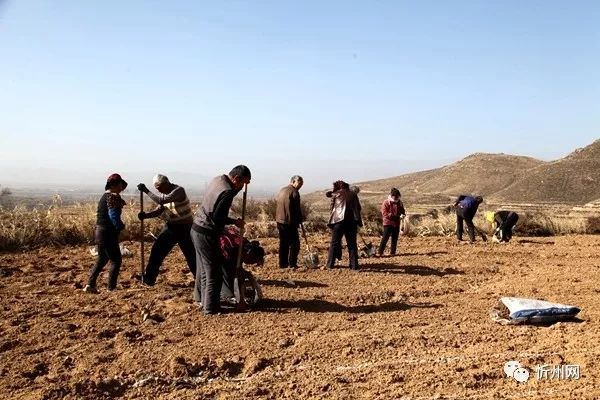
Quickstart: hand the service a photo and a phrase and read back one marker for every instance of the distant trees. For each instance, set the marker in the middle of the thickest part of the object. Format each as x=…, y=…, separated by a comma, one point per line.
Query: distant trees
x=5, y=199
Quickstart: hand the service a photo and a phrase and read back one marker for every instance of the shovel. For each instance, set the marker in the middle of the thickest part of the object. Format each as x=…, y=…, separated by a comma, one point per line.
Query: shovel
x=311, y=260
x=369, y=248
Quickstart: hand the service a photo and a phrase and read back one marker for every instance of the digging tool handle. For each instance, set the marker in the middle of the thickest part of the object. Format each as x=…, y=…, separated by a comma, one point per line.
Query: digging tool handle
x=142, y=236
x=362, y=238
x=238, y=286
x=304, y=236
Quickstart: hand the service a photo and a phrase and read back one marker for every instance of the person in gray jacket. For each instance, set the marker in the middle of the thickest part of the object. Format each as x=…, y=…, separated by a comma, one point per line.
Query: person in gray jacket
x=174, y=206
x=209, y=222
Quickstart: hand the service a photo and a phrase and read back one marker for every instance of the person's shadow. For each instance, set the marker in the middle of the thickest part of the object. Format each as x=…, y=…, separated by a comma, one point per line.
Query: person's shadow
x=421, y=270
x=291, y=283
x=324, y=306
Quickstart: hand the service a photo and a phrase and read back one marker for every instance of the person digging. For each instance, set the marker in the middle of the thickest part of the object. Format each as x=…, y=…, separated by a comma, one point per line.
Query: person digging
x=174, y=206
x=466, y=208
x=392, y=211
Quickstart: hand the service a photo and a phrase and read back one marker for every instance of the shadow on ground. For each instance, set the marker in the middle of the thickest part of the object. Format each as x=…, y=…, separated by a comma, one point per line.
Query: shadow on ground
x=529, y=241
x=421, y=270
x=428, y=253
x=323, y=306
x=291, y=283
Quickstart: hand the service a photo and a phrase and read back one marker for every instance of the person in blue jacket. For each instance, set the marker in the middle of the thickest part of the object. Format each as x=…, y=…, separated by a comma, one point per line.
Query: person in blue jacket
x=466, y=208
x=108, y=226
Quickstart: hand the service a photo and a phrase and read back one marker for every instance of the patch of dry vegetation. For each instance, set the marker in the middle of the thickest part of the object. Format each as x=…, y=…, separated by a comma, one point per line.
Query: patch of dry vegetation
x=23, y=228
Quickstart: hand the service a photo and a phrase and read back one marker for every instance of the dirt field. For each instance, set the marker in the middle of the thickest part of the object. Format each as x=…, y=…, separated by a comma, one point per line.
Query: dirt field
x=414, y=326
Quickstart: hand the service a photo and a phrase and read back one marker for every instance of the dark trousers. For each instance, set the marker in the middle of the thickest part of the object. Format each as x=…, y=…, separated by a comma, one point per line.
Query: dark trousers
x=507, y=225
x=209, y=271
x=389, y=231
x=107, y=243
x=229, y=272
x=467, y=217
x=347, y=229
x=289, y=245
x=170, y=235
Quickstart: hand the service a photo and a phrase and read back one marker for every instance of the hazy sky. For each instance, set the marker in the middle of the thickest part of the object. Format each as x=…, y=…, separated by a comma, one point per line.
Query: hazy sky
x=199, y=86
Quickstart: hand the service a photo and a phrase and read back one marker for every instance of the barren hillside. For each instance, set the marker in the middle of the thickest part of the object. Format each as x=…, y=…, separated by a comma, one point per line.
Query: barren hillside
x=572, y=180
x=500, y=178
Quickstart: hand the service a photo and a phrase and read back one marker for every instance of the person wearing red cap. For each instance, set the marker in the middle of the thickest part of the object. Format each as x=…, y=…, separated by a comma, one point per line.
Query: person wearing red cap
x=108, y=227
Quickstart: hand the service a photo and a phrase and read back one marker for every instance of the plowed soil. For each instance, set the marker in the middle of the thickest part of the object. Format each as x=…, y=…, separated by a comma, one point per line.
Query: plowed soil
x=413, y=326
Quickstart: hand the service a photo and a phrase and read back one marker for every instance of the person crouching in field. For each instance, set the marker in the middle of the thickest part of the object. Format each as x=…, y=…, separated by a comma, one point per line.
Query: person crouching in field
x=504, y=222
x=174, y=206
x=344, y=220
x=466, y=208
x=392, y=211
x=108, y=227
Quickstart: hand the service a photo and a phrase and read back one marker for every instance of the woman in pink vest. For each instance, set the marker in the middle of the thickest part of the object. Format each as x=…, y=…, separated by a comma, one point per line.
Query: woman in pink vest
x=392, y=211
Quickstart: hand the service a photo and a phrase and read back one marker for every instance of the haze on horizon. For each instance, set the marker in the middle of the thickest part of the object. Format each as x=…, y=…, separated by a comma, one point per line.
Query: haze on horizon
x=191, y=88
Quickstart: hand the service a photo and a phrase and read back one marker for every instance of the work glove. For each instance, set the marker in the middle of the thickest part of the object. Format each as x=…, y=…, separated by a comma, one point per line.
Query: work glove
x=142, y=188
x=141, y=215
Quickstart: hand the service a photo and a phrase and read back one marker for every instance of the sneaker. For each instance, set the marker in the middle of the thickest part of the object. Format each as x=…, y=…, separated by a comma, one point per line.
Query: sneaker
x=90, y=289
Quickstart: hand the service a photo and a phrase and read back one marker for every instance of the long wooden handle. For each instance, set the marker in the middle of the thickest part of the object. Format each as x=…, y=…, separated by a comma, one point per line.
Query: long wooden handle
x=304, y=236
x=142, y=235
x=238, y=264
x=238, y=287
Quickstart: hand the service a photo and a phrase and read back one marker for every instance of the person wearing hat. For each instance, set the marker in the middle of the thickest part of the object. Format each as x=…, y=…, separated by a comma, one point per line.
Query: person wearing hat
x=108, y=227
x=466, y=208
x=288, y=216
x=344, y=220
x=504, y=223
x=209, y=223
x=174, y=206
x=392, y=211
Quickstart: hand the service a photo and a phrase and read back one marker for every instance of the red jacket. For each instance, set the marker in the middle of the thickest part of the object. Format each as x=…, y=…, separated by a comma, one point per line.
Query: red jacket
x=391, y=212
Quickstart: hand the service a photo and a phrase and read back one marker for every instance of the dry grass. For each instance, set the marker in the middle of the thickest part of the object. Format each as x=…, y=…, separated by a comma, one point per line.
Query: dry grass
x=57, y=225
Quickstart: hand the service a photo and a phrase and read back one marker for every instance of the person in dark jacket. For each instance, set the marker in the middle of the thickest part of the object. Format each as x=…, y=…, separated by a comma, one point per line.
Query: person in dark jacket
x=108, y=227
x=288, y=217
x=344, y=220
x=209, y=222
x=392, y=211
x=466, y=208
x=174, y=206
x=504, y=222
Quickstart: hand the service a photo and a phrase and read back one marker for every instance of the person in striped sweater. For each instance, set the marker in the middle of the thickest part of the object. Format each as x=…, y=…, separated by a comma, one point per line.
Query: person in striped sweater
x=174, y=206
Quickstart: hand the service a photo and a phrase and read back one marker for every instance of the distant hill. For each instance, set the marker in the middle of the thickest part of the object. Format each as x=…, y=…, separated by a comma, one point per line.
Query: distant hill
x=500, y=178
x=479, y=173
x=574, y=179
